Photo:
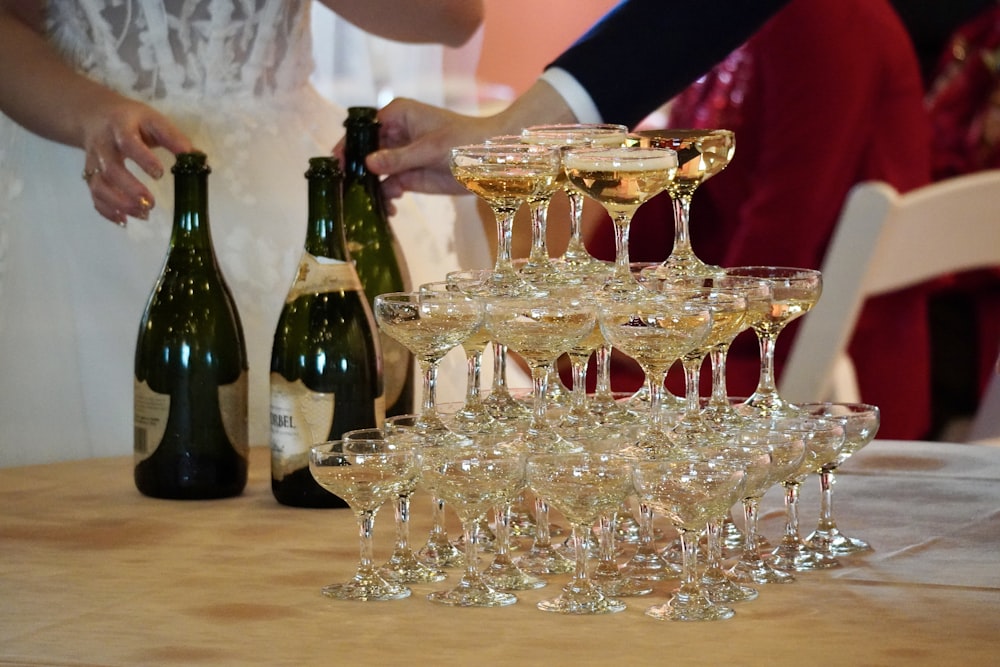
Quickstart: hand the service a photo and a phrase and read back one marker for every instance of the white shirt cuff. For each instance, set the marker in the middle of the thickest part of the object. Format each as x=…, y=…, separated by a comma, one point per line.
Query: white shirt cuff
x=576, y=96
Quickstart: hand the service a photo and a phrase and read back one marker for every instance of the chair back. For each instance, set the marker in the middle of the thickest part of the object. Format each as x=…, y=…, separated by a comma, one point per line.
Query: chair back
x=885, y=241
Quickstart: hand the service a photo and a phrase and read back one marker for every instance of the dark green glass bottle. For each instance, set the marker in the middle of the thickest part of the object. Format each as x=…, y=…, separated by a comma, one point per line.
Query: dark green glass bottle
x=377, y=255
x=190, y=410
x=325, y=363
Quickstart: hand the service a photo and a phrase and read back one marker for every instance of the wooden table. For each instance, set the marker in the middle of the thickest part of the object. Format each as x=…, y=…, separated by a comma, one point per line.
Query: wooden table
x=93, y=573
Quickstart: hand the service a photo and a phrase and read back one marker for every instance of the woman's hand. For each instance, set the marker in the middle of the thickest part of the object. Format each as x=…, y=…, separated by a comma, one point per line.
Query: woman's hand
x=116, y=132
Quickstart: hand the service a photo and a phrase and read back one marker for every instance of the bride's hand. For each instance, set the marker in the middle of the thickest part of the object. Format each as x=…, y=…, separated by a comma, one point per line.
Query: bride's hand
x=120, y=131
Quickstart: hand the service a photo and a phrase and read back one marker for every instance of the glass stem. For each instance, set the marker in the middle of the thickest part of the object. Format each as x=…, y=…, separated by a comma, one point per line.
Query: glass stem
x=502, y=544
x=474, y=365
x=539, y=253
x=438, y=529
x=720, y=392
x=826, y=482
x=766, y=385
x=505, y=233
x=471, y=533
x=603, y=361
x=654, y=380
x=682, y=238
x=579, y=366
x=689, y=561
x=623, y=274
x=403, y=522
x=366, y=526
x=499, y=368
x=429, y=389
x=791, y=511
x=540, y=386
x=750, y=551
x=575, y=250
x=606, y=545
x=692, y=378
x=580, y=578
x=543, y=538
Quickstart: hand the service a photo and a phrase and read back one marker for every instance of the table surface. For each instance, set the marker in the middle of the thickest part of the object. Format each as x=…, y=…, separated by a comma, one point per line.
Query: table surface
x=93, y=573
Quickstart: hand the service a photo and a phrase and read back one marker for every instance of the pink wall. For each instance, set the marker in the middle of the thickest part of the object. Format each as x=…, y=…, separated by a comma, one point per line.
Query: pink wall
x=522, y=36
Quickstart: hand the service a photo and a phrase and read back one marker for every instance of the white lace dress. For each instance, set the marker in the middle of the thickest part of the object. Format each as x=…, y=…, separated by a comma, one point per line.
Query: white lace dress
x=234, y=75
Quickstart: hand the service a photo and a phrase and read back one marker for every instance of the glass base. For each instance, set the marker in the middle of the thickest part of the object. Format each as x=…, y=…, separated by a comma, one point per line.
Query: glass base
x=757, y=571
x=689, y=607
x=720, y=589
x=835, y=543
x=403, y=567
x=795, y=556
x=544, y=560
x=439, y=552
x=648, y=565
x=589, y=600
x=472, y=594
x=504, y=575
x=618, y=585
x=366, y=588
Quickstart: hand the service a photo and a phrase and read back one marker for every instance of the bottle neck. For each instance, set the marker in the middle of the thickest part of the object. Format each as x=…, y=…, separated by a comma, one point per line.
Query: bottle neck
x=325, y=233
x=191, y=210
x=362, y=139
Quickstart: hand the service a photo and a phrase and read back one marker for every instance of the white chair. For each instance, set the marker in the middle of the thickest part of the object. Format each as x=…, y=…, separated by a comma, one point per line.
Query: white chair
x=886, y=241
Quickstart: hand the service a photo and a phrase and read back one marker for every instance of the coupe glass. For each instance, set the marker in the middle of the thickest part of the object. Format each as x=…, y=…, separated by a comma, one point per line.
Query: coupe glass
x=823, y=440
x=582, y=486
x=429, y=325
x=793, y=294
x=861, y=422
x=701, y=154
x=576, y=263
x=787, y=450
x=506, y=176
x=690, y=493
x=403, y=566
x=729, y=312
x=719, y=410
x=500, y=404
x=621, y=180
x=540, y=329
x=365, y=473
x=473, y=479
x=655, y=330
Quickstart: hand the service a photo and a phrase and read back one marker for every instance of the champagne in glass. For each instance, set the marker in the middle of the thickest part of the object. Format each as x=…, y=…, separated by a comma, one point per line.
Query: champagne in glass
x=621, y=179
x=793, y=294
x=429, y=325
x=366, y=474
x=701, y=154
x=576, y=263
x=506, y=176
x=861, y=422
x=582, y=486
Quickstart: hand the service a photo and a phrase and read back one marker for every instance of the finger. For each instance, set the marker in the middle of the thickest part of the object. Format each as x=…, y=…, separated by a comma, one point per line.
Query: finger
x=152, y=133
x=120, y=193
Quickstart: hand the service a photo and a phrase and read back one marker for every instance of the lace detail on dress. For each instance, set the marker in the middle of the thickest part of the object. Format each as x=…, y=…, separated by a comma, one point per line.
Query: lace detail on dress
x=175, y=48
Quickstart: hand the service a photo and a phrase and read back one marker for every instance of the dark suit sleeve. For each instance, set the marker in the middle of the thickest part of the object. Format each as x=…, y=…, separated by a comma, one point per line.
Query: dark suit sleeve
x=643, y=52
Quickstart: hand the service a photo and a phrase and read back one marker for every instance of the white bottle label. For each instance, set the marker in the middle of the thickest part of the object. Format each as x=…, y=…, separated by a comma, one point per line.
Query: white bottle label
x=150, y=411
x=233, y=404
x=318, y=275
x=300, y=419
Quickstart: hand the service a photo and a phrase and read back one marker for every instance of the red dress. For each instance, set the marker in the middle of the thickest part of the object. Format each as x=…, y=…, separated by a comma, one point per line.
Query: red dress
x=825, y=95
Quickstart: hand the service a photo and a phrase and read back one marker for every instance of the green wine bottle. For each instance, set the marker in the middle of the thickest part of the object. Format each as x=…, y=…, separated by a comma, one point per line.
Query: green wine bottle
x=377, y=255
x=325, y=362
x=190, y=400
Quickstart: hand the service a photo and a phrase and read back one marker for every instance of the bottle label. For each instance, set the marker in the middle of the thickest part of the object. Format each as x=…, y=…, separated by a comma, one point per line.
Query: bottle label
x=317, y=275
x=151, y=411
x=300, y=419
x=234, y=406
